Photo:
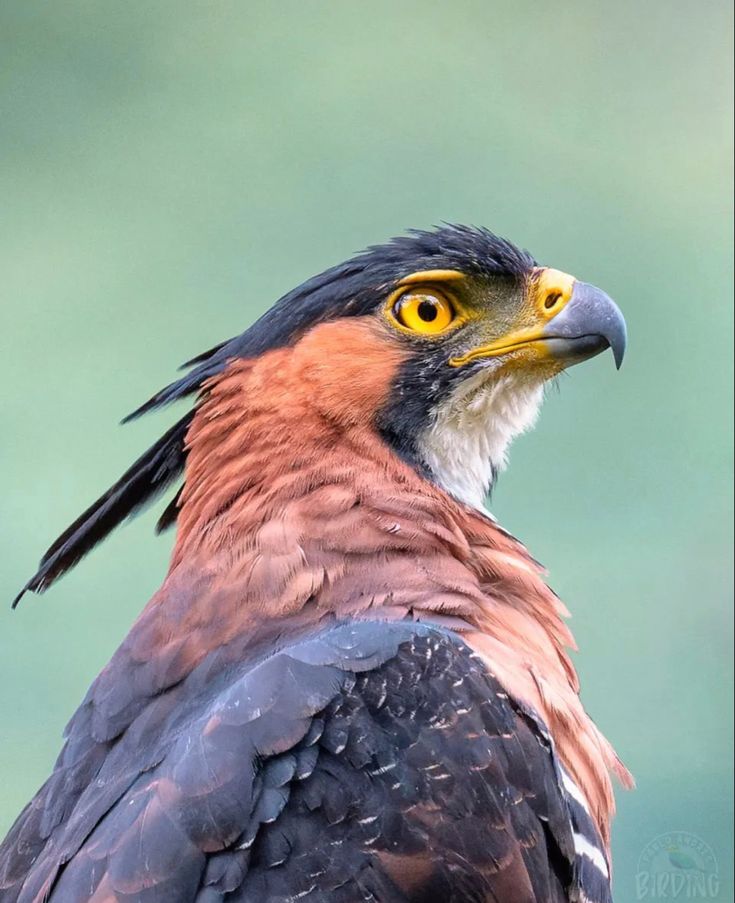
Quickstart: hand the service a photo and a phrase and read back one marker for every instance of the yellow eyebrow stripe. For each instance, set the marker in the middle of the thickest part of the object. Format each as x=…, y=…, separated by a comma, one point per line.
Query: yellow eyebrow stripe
x=431, y=276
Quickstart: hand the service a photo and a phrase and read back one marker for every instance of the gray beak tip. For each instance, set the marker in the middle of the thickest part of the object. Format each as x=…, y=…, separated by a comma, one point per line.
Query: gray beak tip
x=618, y=351
x=617, y=335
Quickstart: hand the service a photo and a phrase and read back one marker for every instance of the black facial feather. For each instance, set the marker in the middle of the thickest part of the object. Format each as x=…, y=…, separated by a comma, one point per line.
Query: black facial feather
x=421, y=382
x=353, y=288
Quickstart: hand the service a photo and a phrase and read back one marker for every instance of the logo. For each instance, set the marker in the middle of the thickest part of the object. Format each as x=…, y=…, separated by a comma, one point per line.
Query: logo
x=677, y=866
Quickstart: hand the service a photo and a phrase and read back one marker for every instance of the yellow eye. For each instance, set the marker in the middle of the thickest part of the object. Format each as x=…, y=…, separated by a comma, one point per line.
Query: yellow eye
x=424, y=312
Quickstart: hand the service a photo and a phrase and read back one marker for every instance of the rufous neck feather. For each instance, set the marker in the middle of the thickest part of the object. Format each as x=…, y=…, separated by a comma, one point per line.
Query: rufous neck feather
x=293, y=506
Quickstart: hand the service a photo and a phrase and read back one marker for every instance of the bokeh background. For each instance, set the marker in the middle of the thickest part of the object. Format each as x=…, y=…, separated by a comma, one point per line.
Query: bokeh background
x=168, y=170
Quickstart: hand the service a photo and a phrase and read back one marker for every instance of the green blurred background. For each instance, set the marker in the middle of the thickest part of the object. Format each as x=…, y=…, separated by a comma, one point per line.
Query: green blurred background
x=168, y=170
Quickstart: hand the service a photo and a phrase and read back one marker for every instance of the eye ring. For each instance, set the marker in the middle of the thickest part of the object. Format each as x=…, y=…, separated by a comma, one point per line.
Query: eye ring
x=423, y=311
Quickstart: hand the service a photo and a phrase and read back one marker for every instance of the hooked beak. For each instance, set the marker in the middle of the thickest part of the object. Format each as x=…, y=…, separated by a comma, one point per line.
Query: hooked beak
x=587, y=325
x=587, y=322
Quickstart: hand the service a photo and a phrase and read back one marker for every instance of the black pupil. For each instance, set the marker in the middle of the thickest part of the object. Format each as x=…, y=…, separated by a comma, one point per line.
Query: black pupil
x=427, y=311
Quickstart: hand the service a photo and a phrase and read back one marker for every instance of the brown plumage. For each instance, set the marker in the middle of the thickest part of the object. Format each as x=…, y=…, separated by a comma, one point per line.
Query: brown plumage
x=296, y=517
x=293, y=501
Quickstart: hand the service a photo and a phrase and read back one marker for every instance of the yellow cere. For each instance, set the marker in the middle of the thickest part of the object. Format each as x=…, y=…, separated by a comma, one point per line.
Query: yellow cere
x=552, y=290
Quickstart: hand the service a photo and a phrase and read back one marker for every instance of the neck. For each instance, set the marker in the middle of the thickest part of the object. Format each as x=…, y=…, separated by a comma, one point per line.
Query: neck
x=466, y=445
x=295, y=512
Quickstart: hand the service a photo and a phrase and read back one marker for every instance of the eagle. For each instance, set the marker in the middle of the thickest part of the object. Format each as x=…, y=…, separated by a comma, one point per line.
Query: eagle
x=353, y=684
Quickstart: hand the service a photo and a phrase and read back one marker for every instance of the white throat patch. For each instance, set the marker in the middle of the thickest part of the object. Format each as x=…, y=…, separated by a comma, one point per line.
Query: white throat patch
x=467, y=443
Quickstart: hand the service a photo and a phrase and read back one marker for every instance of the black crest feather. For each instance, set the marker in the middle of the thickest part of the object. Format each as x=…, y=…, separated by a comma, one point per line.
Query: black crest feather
x=352, y=288
x=149, y=476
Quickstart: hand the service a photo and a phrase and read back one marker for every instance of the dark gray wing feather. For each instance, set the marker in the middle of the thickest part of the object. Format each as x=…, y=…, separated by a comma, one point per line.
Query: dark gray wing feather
x=371, y=761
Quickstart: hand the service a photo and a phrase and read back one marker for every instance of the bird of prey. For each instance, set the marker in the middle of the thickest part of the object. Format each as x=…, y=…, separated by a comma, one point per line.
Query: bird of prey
x=353, y=683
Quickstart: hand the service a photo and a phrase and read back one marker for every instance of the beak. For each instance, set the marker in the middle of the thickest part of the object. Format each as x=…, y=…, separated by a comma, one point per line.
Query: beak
x=588, y=324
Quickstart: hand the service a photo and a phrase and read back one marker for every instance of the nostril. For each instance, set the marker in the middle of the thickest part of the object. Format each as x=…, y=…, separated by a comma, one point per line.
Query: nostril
x=551, y=299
